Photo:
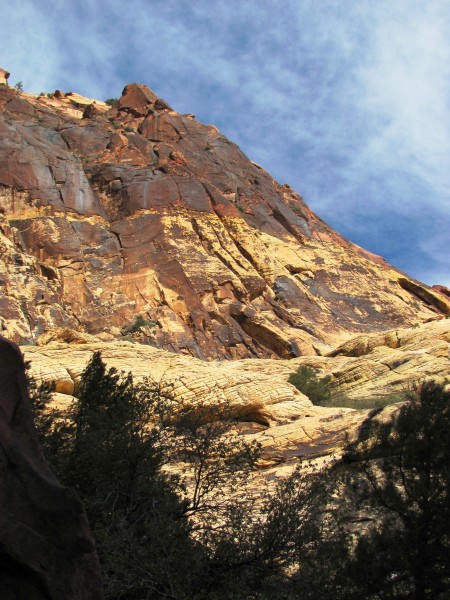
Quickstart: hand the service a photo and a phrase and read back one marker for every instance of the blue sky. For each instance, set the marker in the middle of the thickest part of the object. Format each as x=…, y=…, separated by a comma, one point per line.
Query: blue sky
x=347, y=101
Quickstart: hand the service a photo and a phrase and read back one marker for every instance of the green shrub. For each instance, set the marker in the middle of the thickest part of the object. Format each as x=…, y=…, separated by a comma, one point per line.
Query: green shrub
x=139, y=323
x=111, y=451
x=112, y=102
x=343, y=401
x=317, y=389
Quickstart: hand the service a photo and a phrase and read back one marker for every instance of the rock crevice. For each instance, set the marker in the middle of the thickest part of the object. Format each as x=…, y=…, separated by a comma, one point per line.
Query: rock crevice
x=138, y=210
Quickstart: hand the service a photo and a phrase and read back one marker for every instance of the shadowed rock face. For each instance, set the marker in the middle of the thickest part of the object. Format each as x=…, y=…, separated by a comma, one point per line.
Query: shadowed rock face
x=109, y=213
x=442, y=289
x=46, y=549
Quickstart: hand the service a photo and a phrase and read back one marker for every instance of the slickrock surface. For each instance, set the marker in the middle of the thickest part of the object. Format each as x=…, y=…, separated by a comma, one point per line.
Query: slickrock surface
x=372, y=366
x=47, y=552
x=111, y=213
x=266, y=406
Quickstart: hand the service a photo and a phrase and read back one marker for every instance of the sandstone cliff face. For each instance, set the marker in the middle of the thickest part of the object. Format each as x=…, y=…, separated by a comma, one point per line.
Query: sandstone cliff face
x=265, y=405
x=46, y=549
x=110, y=213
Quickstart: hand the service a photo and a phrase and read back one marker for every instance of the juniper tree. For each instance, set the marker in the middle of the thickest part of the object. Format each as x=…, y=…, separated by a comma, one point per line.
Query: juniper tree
x=111, y=451
x=384, y=532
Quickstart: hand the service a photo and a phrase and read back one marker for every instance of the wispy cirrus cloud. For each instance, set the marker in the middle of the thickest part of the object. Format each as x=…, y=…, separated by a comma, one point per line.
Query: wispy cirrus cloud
x=348, y=102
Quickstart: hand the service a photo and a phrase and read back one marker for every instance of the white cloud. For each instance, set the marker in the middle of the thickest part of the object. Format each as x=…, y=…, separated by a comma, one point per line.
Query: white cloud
x=347, y=101
x=405, y=83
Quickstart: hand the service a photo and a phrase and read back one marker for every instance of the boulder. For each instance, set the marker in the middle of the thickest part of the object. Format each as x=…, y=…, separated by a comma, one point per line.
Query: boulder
x=4, y=77
x=137, y=99
x=442, y=289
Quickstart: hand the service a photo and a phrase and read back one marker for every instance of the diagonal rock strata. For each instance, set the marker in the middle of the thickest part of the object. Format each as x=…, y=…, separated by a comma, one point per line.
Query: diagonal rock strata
x=137, y=210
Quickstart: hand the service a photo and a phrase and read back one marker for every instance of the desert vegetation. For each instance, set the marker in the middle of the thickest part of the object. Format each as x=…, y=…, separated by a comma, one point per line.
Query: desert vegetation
x=376, y=524
x=308, y=381
x=319, y=391
x=138, y=324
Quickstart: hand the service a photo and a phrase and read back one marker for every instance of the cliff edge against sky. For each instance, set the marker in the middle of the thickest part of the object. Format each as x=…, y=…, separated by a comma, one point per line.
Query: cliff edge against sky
x=135, y=210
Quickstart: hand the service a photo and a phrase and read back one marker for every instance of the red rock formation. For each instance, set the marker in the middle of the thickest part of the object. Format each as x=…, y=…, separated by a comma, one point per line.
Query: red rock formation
x=46, y=549
x=139, y=210
x=442, y=289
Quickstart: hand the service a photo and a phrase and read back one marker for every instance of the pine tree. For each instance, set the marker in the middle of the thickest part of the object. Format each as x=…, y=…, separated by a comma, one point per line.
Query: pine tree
x=388, y=506
x=112, y=451
x=408, y=472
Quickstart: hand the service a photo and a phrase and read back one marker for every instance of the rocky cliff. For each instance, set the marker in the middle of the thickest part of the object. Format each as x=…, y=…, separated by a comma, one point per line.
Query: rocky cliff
x=135, y=210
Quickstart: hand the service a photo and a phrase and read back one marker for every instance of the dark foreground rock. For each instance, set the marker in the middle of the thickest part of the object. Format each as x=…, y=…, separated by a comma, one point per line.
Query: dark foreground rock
x=46, y=549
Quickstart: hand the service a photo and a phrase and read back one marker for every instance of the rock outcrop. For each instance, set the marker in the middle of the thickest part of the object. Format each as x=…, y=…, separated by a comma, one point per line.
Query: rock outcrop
x=265, y=405
x=139, y=224
x=4, y=77
x=138, y=211
x=442, y=289
x=46, y=549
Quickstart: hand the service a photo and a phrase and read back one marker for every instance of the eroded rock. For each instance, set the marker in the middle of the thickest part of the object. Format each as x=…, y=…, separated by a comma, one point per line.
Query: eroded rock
x=139, y=211
x=257, y=392
x=4, y=77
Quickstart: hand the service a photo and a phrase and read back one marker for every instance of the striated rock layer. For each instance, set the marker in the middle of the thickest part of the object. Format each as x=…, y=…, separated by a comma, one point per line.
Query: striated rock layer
x=46, y=549
x=265, y=405
x=137, y=210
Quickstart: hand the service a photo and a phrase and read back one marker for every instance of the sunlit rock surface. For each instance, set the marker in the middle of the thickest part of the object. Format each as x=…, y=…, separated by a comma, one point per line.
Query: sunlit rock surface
x=137, y=210
x=265, y=405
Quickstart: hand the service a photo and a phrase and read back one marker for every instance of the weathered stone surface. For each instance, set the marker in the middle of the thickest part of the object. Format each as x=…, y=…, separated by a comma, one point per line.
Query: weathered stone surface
x=65, y=334
x=4, y=77
x=265, y=406
x=442, y=289
x=374, y=366
x=137, y=99
x=140, y=210
x=185, y=379
x=257, y=392
x=47, y=551
x=31, y=292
